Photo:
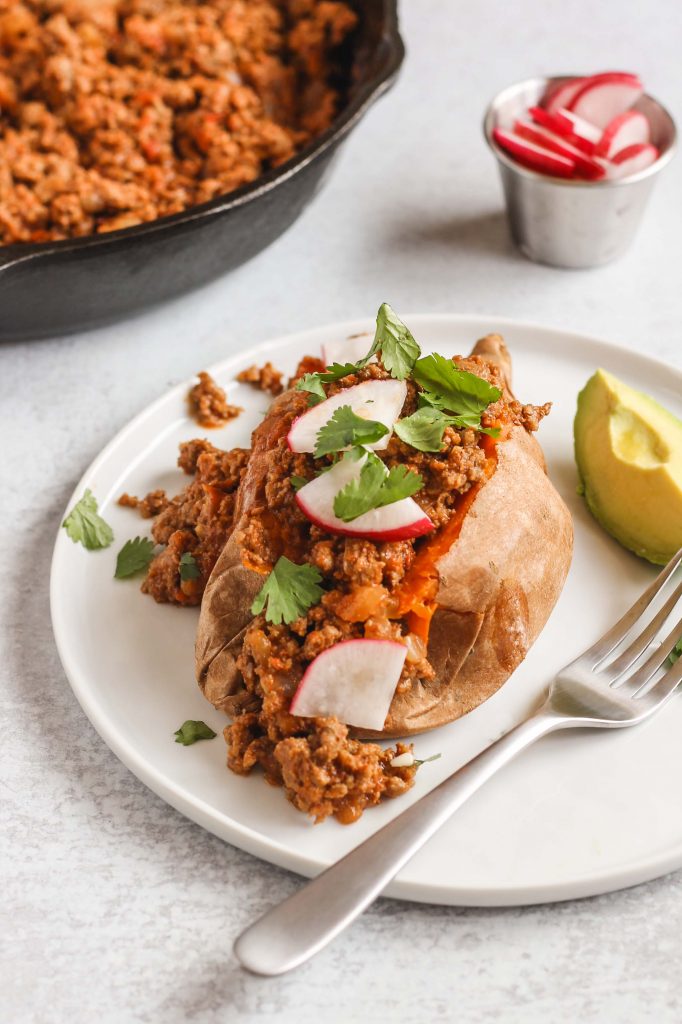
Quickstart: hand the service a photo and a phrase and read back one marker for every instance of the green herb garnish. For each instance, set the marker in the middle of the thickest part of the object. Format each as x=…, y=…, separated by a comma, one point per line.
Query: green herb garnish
x=288, y=592
x=418, y=764
x=393, y=339
x=344, y=429
x=191, y=731
x=374, y=488
x=134, y=556
x=297, y=482
x=424, y=429
x=676, y=652
x=188, y=568
x=85, y=526
x=313, y=382
x=446, y=387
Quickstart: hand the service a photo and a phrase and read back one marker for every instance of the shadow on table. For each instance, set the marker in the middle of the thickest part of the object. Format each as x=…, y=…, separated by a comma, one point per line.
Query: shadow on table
x=476, y=233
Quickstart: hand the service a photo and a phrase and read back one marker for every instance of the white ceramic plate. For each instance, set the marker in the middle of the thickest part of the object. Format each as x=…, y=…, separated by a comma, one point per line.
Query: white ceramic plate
x=578, y=814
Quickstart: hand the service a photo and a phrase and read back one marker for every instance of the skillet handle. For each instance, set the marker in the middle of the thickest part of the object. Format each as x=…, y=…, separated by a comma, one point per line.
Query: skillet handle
x=302, y=925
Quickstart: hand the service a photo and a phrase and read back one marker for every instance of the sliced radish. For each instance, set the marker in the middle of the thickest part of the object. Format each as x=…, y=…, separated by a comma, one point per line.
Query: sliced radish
x=581, y=128
x=536, y=157
x=380, y=400
x=349, y=351
x=399, y=521
x=603, y=97
x=556, y=122
x=632, y=160
x=628, y=129
x=584, y=165
x=353, y=681
x=562, y=95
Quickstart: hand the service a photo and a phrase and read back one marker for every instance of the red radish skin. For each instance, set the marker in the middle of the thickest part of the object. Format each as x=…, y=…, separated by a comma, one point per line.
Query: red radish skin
x=561, y=126
x=535, y=157
x=628, y=129
x=584, y=165
x=603, y=97
x=578, y=125
x=353, y=681
x=380, y=400
x=562, y=95
x=401, y=520
x=632, y=160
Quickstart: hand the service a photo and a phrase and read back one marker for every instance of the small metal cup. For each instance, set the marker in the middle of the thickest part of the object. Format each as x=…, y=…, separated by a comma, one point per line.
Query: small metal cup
x=569, y=223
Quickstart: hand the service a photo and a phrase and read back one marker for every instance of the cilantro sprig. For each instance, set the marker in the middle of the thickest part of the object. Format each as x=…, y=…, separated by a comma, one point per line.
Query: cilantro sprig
x=344, y=429
x=134, y=557
x=676, y=652
x=394, y=340
x=85, y=525
x=446, y=387
x=288, y=592
x=375, y=487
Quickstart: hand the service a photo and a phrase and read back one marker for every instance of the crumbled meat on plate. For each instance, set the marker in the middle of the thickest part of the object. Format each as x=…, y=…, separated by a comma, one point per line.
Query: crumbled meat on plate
x=266, y=377
x=208, y=403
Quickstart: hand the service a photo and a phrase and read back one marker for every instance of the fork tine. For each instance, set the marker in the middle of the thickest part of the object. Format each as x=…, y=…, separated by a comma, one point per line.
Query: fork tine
x=639, y=645
x=666, y=685
x=636, y=682
x=603, y=647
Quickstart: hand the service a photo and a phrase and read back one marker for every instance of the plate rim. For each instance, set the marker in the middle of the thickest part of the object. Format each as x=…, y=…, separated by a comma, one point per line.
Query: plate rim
x=244, y=837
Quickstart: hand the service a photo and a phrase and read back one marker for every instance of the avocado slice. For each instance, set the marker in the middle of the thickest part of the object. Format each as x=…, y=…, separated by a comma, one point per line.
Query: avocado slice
x=628, y=449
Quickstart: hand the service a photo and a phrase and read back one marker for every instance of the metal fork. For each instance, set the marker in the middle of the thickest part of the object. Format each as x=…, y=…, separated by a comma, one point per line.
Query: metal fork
x=591, y=691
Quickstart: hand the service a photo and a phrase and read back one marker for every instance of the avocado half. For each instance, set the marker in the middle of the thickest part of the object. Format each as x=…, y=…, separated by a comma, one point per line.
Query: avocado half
x=628, y=450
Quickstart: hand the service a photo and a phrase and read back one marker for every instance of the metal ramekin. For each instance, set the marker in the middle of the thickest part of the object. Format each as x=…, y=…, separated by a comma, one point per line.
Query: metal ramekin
x=570, y=223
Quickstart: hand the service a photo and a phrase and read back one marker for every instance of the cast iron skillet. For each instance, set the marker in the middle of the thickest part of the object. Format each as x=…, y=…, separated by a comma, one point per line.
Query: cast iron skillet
x=55, y=287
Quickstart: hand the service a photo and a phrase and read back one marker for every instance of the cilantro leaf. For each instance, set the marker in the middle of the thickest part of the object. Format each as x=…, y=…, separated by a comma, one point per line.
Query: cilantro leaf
x=424, y=429
x=345, y=428
x=458, y=391
x=297, y=482
x=134, y=556
x=399, y=350
x=400, y=483
x=191, y=731
x=374, y=488
x=676, y=652
x=311, y=382
x=288, y=592
x=188, y=568
x=84, y=525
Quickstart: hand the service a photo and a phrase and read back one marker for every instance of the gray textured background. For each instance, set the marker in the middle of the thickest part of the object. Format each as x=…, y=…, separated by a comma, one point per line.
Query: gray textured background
x=115, y=908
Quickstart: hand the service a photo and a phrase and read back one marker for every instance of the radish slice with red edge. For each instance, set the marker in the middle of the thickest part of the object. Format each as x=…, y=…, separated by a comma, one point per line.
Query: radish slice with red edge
x=352, y=350
x=559, y=124
x=535, y=157
x=562, y=94
x=628, y=129
x=603, y=97
x=632, y=160
x=570, y=122
x=584, y=165
x=380, y=400
x=400, y=520
x=353, y=681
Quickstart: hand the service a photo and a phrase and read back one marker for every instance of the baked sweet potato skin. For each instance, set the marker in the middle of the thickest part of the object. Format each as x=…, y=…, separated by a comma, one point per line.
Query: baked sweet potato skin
x=498, y=582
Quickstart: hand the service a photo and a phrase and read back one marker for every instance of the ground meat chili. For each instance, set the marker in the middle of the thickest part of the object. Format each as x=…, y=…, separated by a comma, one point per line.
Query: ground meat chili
x=116, y=112
x=372, y=589
x=208, y=403
x=265, y=377
x=197, y=521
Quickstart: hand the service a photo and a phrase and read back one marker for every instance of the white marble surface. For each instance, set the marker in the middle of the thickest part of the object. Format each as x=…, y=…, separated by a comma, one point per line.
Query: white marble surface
x=115, y=908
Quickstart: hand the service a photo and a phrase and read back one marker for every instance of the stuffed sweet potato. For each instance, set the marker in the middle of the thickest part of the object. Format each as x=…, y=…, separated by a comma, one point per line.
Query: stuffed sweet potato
x=439, y=537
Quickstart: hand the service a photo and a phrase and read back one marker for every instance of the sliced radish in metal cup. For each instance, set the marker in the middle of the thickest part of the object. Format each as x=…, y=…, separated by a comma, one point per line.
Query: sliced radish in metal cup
x=628, y=129
x=538, y=158
x=603, y=97
x=632, y=160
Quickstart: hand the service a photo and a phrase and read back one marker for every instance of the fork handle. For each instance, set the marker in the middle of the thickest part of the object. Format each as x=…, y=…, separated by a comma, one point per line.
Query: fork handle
x=303, y=924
